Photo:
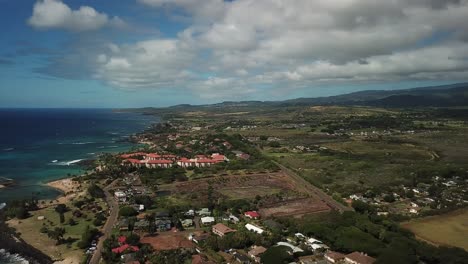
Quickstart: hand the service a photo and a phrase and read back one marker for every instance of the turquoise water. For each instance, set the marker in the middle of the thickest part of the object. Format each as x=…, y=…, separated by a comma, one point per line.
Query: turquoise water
x=38, y=145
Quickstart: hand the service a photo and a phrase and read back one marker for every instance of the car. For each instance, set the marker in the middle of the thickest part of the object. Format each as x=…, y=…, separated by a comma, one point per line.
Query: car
x=92, y=248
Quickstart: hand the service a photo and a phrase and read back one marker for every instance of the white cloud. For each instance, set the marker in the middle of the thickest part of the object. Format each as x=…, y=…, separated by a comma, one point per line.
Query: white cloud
x=54, y=14
x=158, y=63
x=232, y=48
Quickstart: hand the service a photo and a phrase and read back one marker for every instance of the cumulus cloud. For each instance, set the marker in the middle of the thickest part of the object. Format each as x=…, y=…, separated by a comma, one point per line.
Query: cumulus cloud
x=54, y=14
x=160, y=63
x=233, y=47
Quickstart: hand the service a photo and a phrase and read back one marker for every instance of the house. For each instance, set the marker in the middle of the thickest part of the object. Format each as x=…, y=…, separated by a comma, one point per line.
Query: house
x=255, y=252
x=204, y=212
x=234, y=219
x=315, y=244
x=163, y=224
x=292, y=247
x=254, y=228
x=221, y=230
x=333, y=257
x=190, y=212
x=241, y=258
x=141, y=225
x=300, y=236
x=309, y=259
x=207, y=220
x=187, y=222
x=243, y=156
x=358, y=258
x=252, y=214
x=120, y=196
x=122, y=240
x=199, y=237
x=201, y=259
x=125, y=247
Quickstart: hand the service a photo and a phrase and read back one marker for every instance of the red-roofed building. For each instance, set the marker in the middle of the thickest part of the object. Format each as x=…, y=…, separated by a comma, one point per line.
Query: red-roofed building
x=153, y=156
x=185, y=163
x=126, y=156
x=132, y=163
x=252, y=214
x=158, y=163
x=125, y=247
x=122, y=240
x=218, y=157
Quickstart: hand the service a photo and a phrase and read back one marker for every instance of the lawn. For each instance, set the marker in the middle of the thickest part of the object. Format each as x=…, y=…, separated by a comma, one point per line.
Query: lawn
x=30, y=231
x=449, y=229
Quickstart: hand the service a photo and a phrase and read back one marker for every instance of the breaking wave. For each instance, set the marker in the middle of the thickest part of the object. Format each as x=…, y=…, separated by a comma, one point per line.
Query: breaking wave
x=7, y=258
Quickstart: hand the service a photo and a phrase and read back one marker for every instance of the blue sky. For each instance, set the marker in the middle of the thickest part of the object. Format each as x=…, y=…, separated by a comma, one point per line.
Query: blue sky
x=136, y=53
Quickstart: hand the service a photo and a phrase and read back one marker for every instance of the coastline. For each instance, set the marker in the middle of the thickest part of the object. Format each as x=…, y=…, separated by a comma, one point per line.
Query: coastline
x=69, y=190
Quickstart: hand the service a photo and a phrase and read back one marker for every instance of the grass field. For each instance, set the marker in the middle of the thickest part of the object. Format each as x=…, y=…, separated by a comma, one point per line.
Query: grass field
x=449, y=229
x=30, y=231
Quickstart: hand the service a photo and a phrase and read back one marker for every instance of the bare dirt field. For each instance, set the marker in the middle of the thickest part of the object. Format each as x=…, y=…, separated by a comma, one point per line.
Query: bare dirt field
x=168, y=241
x=245, y=186
x=281, y=194
x=297, y=207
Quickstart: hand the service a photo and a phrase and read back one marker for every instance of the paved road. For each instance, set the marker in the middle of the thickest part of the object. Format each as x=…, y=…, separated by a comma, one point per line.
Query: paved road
x=111, y=220
x=315, y=190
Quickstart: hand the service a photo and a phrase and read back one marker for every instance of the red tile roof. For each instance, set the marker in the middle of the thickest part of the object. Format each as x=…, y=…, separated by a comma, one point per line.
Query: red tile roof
x=122, y=239
x=133, y=154
x=153, y=155
x=252, y=214
x=125, y=247
x=158, y=161
x=134, y=161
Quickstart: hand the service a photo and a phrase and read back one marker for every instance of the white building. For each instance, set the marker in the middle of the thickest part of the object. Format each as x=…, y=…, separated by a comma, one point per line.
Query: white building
x=292, y=247
x=207, y=220
x=254, y=228
x=120, y=196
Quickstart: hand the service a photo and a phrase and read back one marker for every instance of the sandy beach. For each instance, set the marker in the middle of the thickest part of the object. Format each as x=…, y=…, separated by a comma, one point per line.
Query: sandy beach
x=64, y=185
x=70, y=189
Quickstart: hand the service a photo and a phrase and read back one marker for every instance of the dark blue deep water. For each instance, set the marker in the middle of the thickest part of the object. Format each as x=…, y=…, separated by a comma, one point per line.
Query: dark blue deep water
x=38, y=145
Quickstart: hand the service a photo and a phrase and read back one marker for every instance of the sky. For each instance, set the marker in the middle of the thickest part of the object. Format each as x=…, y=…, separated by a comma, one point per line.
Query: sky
x=139, y=53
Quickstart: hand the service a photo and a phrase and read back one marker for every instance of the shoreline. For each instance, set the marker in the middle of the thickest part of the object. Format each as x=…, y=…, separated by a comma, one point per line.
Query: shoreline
x=68, y=188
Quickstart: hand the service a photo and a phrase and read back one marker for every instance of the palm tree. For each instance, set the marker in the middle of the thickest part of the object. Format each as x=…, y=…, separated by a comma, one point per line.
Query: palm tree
x=151, y=218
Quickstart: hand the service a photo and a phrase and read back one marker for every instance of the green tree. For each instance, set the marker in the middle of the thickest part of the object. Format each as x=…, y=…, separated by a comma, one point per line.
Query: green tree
x=56, y=234
x=127, y=211
x=151, y=218
x=277, y=255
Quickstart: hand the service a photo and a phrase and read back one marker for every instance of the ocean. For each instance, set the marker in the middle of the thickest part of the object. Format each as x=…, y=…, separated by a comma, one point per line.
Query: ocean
x=40, y=145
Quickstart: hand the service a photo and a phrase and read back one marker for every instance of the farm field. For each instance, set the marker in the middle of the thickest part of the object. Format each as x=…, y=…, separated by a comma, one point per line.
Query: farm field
x=450, y=229
x=280, y=194
x=297, y=208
